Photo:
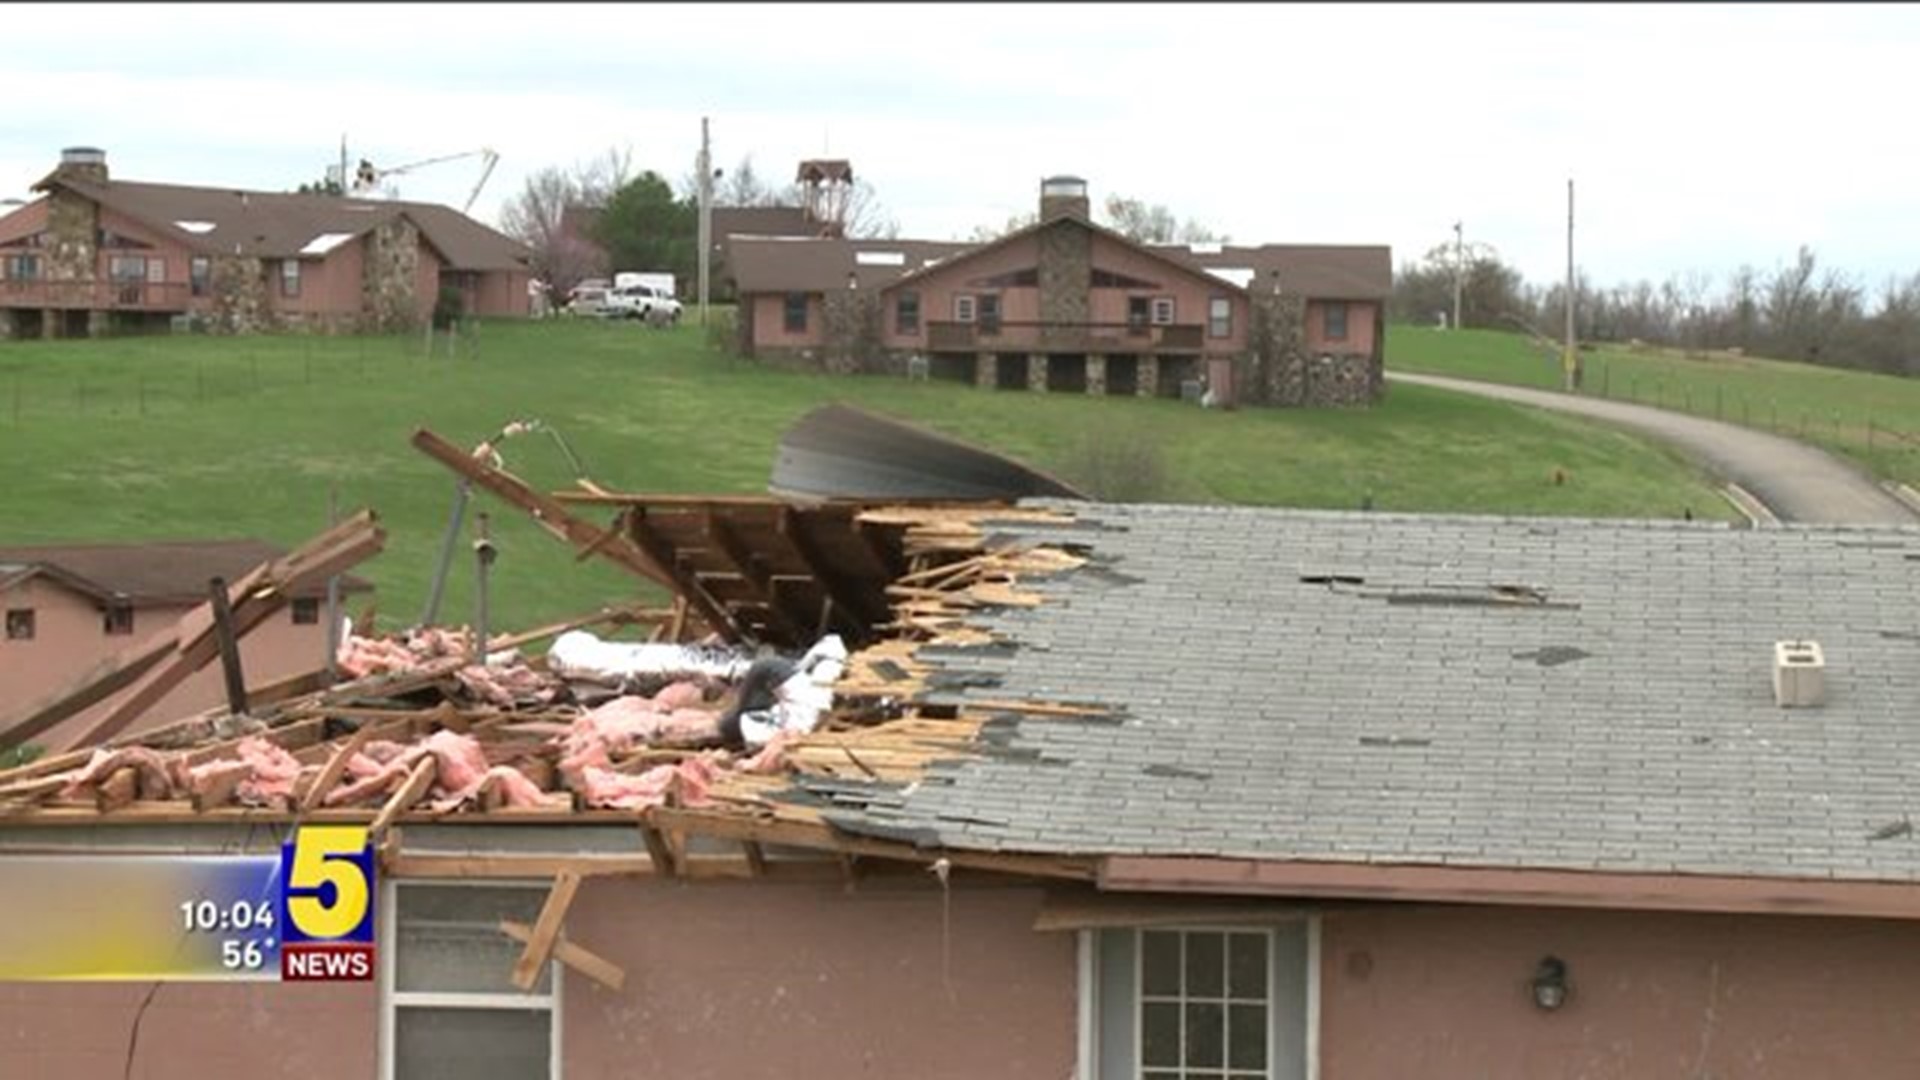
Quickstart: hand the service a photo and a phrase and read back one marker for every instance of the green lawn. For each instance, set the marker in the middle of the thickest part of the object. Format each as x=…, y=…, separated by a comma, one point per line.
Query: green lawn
x=193, y=436
x=1872, y=418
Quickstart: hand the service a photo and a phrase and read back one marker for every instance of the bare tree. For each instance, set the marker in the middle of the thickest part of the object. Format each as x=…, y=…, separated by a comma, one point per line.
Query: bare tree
x=1155, y=224
x=539, y=215
x=987, y=234
x=867, y=216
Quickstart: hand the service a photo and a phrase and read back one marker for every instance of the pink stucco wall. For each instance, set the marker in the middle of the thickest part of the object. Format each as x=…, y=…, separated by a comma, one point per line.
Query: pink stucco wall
x=69, y=638
x=1441, y=992
x=191, y=1031
x=753, y=981
x=769, y=322
x=1191, y=292
x=1359, y=339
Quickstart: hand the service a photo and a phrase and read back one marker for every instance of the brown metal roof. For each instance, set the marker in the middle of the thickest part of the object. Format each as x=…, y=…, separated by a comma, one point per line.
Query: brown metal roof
x=792, y=264
x=1322, y=271
x=277, y=225
x=152, y=574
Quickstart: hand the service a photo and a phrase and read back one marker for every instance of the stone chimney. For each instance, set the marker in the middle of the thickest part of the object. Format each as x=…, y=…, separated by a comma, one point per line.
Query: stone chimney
x=1064, y=195
x=1066, y=262
x=87, y=163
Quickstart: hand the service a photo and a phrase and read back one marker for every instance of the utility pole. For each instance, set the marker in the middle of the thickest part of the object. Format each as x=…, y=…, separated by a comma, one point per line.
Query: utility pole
x=1572, y=360
x=343, y=163
x=1459, y=271
x=706, y=217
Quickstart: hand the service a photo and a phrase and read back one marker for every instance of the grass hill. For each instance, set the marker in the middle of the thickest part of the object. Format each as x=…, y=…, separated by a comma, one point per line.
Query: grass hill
x=1872, y=418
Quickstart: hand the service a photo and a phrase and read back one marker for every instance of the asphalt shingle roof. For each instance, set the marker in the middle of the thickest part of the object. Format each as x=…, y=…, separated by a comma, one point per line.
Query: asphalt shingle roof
x=1399, y=709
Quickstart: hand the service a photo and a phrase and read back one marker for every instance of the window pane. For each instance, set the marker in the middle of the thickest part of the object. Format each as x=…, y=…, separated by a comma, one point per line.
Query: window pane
x=472, y=1044
x=1249, y=967
x=1206, y=1034
x=1159, y=1034
x=449, y=938
x=1206, y=965
x=1247, y=1036
x=1160, y=964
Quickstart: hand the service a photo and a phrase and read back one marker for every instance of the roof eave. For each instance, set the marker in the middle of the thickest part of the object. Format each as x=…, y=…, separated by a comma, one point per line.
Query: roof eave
x=1532, y=887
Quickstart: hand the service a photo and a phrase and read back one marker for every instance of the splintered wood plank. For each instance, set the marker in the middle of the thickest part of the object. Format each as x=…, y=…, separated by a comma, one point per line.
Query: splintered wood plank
x=593, y=966
x=417, y=783
x=336, y=765
x=546, y=930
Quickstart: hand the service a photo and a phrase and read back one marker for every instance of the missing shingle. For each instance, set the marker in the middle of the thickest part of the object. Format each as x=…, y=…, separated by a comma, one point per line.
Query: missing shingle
x=1395, y=740
x=1332, y=579
x=890, y=671
x=1892, y=829
x=1503, y=596
x=1901, y=635
x=1104, y=575
x=960, y=680
x=1553, y=655
x=1175, y=772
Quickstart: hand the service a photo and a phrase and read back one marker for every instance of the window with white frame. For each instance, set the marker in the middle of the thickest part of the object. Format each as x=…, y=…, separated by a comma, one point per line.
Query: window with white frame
x=1219, y=317
x=448, y=1004
x=1163, y=311
x=290, y=277
x=1201, y=1003
x=963, y=308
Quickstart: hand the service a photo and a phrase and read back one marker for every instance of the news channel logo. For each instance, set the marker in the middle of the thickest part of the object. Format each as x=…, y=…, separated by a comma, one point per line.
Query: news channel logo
x=326, y=903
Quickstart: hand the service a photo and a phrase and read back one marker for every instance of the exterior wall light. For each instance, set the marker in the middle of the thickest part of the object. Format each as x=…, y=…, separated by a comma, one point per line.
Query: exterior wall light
x=1550, y=989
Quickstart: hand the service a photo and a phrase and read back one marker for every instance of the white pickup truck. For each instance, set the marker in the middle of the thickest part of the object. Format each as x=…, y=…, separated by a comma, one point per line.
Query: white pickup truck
x=655, y=305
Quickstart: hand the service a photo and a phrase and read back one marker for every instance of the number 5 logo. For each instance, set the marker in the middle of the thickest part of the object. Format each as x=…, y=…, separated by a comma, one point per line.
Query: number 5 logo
x=326, y=884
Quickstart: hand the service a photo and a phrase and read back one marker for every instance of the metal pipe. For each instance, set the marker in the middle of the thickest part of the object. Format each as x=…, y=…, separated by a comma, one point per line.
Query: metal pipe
x=461, y=492
x=333, y=595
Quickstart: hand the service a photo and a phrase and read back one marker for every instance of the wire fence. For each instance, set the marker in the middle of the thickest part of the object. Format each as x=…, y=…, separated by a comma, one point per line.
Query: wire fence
x=139, y=380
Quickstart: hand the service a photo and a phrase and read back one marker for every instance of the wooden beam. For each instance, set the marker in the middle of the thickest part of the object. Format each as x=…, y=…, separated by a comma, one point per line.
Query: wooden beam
x=662, y=554
x=416, y=785
x=821, y=837
x=546, y=930
x=850, y=600
x=217, y=787
x=659, y=850
x=417, y=864
x=727, y=542
x=600, y=970
x=227, y=637
x=756, y=858
x=336, y=765
x=545, y=511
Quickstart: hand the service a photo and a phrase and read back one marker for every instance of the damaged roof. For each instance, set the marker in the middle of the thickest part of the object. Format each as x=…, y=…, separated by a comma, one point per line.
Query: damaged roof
x=1449, y=691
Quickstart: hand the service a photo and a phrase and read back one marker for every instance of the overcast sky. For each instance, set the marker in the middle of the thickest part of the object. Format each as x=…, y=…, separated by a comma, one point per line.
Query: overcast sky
x=1699, y=137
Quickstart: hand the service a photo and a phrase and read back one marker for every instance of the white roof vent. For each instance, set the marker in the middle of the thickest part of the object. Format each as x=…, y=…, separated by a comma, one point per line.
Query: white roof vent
x=1799, y=674
x=1236, y=275
x=880, y=258
x=197, y=227
x=1205, y=249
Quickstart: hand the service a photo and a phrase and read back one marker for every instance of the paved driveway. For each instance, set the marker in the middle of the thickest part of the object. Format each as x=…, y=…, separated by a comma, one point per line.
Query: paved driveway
x=1796, y=481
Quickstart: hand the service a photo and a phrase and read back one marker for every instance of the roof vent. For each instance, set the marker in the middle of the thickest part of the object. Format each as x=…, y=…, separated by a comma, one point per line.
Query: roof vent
x=1799, y=674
